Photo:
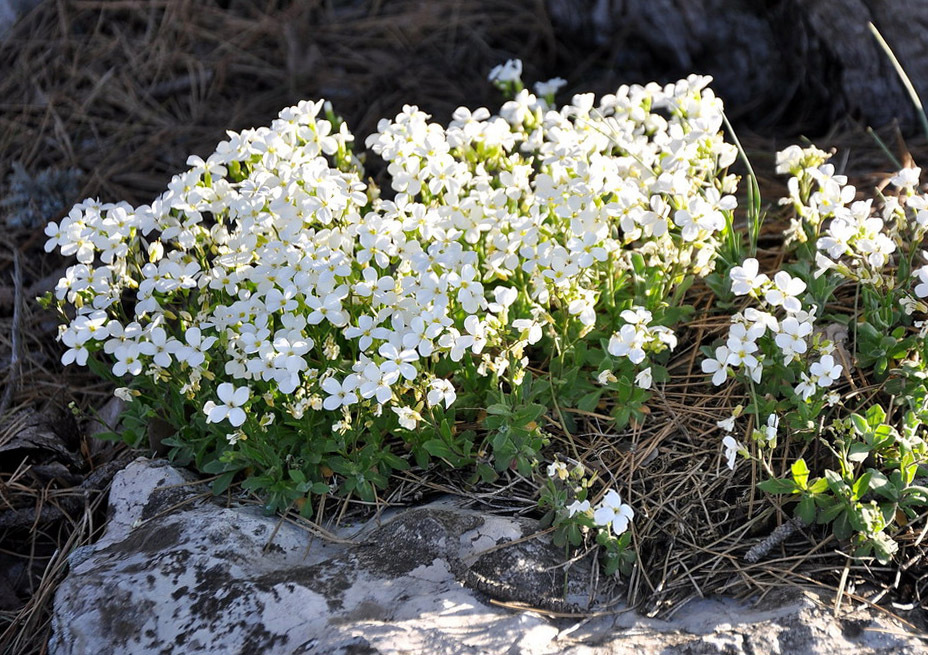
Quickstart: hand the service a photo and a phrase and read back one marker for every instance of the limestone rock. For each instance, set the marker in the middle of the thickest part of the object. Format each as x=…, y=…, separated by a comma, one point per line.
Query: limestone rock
x=178, y=573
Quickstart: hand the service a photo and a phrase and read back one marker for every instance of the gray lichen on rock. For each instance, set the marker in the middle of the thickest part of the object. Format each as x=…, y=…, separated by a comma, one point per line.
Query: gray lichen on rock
x=179, y=573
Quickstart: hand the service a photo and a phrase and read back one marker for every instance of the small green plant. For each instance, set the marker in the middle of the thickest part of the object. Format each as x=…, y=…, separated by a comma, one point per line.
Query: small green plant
x=565, y=495
x=841, y=316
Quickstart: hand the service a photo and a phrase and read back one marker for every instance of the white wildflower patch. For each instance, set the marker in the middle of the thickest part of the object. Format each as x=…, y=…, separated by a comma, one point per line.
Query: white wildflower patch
x=791, y=335
x=288, y=260
x=298, y=323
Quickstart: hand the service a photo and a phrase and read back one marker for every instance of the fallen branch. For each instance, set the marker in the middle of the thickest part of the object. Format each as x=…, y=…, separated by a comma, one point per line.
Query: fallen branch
x=774, y=539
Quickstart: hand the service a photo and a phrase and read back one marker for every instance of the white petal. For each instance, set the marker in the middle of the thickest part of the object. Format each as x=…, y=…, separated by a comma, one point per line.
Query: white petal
x=603, y=516
x=217, y=413
x=240, y=397
x=225, y=392
x=236, y=416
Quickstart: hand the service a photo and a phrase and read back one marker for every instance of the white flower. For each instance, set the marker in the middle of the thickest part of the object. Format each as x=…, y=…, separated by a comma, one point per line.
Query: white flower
x=511, y=71
x=77, y=351
x=791, y=339
x=628, y=342
x=825, y=371
x=731, y=451
x=906, y=178
x=578, y=507
x=806, y=387
x=341, y=394
x=613, y=512
x=532, y=328
x=194, y=351
x=606, y=377
x=744, y=278
x=550, y=87
x=376, y=381
x=441, y=391
x=159, y=347
x=558, y=470
x=127, y=360
x=727, y=424
x=504, y=297
x=921, y=289
x=365, y=331
x=770, y=431
x=785, y=291
x=718, y=366
x=741, y=347
x=399, y=360
x=408, y=418
x=789, y=160
x=231, y=408
x=234, y=437
x=123, y=393
x=643, y=379
x=329, y=308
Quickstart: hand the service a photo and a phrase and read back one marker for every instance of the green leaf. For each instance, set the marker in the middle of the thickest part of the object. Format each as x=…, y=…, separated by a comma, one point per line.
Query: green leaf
x=222, y=483
x=819, y=486
x=859, y=423
x=832, y=512
x=858, y=452
x=589, y=402
x=875, y=415
x=486, y=473
x=217, y=466
x=394, y=462
x=884, y=547
x=835, y=482
x=342, y=465
x=800, y=473
x=499, y=409
x=320, y=488
x=883, y=435
x=841, y=526
x=806, y=509
x=879, y=484
x=776, y=486
x=438, y=448
x=861, y=485
x=526, y=415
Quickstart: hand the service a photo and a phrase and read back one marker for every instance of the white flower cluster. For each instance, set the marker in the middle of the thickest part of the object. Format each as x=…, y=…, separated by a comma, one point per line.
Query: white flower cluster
x=792, y=335
x=637, y=335
x=854, y=238
x=272, y=266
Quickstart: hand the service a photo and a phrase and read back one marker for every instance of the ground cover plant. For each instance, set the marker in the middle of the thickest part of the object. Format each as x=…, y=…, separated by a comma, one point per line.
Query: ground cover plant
x=305, y=331
x=288, y=321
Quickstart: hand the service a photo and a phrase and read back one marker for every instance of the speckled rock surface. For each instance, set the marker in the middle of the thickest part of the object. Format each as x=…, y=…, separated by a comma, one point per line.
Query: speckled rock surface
x=176, y=573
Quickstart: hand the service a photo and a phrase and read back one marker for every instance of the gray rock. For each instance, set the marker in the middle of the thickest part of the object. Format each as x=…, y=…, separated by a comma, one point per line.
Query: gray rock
x=177, y=573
